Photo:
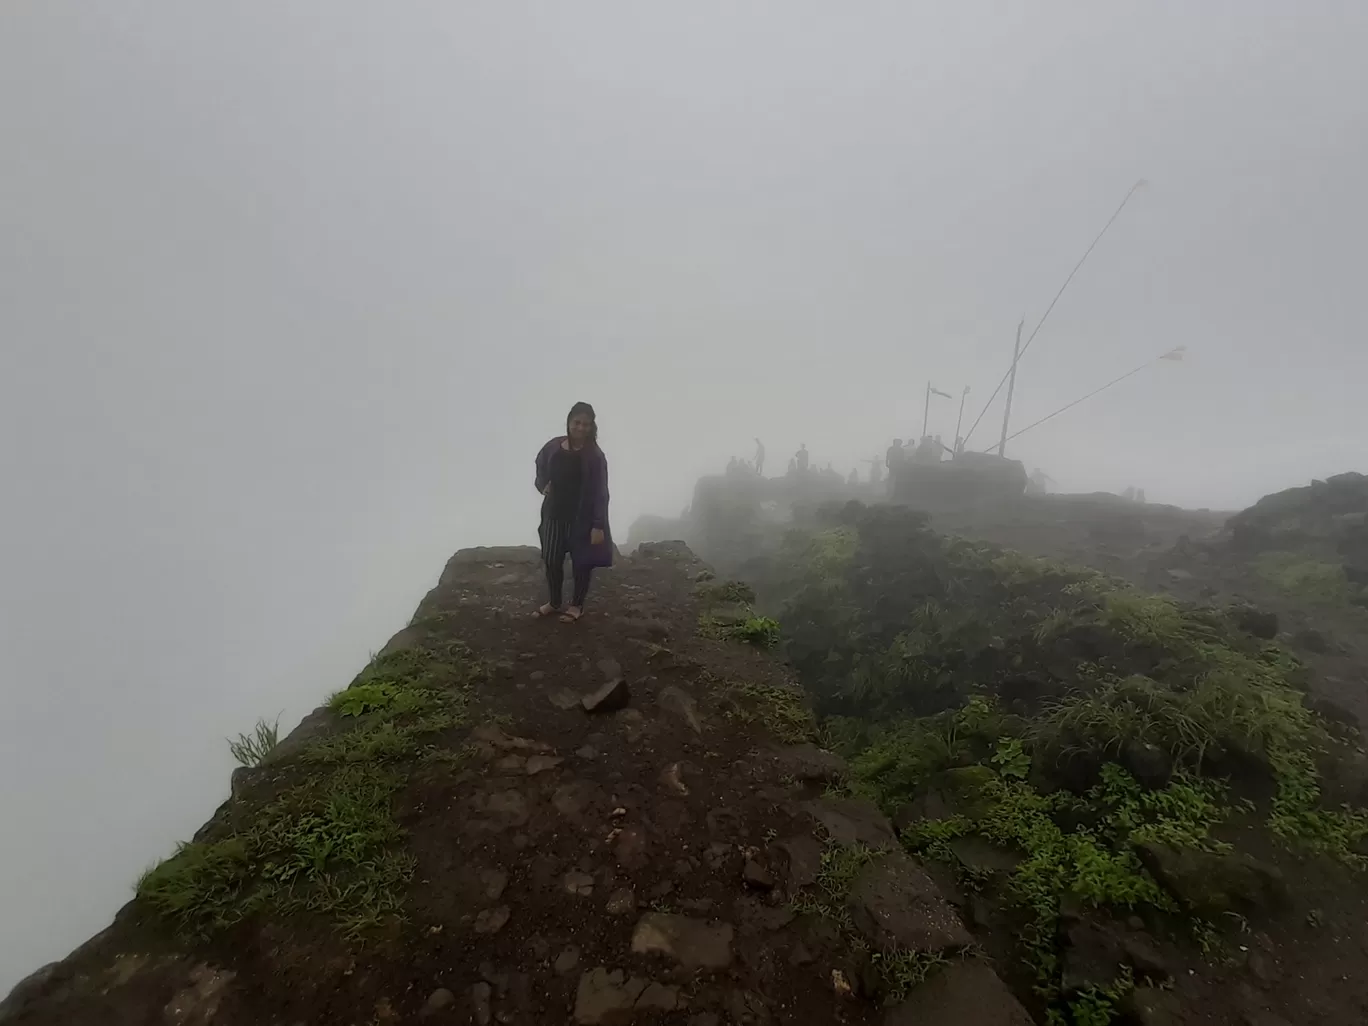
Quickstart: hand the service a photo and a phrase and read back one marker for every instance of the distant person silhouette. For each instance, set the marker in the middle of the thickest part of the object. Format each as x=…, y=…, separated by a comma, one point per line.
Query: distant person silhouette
x=895, y=455
x=874, y=473
x=572, y=477
x=759, y=458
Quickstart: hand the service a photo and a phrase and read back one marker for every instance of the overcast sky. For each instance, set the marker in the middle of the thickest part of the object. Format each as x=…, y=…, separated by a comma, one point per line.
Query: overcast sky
x=291, y=292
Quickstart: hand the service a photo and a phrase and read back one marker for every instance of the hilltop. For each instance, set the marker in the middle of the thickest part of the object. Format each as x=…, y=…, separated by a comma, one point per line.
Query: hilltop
x=513, y=820
x=884, y=773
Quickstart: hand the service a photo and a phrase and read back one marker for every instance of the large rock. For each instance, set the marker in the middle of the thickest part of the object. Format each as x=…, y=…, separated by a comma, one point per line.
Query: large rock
x=982, y=858
x=27, y=989
x=852, y=821
x=799, y=860
x=1094, y=955
x=692, y=943
x=1215, y=883
x=962, y=994
x=808, y=763
x=606, y=998
x=609, y=697
x=896, y=905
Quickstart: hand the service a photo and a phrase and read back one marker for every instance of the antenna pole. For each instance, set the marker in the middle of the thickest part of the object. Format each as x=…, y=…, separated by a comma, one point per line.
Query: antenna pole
x=1045, y=316
x=1011, y=387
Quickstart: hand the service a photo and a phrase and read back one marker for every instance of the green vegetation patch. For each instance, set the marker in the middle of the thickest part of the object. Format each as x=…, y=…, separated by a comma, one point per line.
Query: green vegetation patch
x=897, y=971
x=1301, y=576
x=250, y=749
x=783, y=711
x=395, y=701
x=1062, y=716
x=756, y=630
x=326, y=846
x=761, y=631
x=727, y=593
x=1093, y=865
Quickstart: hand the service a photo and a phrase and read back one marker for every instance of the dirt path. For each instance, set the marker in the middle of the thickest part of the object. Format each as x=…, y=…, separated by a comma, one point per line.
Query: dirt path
x=634, y=863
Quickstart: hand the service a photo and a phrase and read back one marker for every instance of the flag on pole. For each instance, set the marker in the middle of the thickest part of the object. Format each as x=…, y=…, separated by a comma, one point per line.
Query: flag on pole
x=1174, y=354
x=937, y=391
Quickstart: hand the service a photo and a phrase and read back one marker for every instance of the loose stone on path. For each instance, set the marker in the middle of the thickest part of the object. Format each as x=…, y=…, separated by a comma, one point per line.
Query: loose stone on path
x=540, y=763
x=493, y=882
x=492, y=920
x=692, y=943
x=611, y=998
x=579, y=884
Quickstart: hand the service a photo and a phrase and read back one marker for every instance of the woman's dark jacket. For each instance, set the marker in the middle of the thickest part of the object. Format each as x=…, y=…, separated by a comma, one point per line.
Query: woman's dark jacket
x=593, y=504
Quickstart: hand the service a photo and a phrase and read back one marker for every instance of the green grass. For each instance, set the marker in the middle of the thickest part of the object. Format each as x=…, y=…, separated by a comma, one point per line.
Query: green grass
x=327, y=846
x=756, y=630
x=1096, y=867
x=1312, y=580
x=382, y=740
x=762, y=631
x=1297, y=815
x=728, y=593
x=901, y=971
x=898, y=970
x=1094, y=1006
x=1155, y=619
x=905, y=638
x=782, y=711
x=250, y=749
x=396, y=701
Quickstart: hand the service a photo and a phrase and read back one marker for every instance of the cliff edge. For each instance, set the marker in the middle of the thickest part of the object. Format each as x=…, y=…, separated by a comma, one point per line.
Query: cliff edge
x=516, y=820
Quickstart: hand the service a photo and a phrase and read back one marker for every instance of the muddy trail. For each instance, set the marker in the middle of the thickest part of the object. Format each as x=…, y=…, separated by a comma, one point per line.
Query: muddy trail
x=513, y=820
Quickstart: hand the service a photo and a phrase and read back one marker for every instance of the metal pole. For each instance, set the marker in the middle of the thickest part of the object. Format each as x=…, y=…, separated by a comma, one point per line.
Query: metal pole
x=1041, y=323
x=959, y=421
x=926, y=411
x=1011, y=387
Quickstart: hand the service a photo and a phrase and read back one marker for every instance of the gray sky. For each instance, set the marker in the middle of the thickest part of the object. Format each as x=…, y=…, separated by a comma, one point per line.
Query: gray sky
x=291, y=292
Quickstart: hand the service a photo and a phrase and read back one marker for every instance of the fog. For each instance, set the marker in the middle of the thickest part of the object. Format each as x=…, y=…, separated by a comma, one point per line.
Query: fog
x=290, y=294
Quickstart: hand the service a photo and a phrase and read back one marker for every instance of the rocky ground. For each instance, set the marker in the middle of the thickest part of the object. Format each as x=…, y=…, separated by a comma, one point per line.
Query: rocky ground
x=513, y=820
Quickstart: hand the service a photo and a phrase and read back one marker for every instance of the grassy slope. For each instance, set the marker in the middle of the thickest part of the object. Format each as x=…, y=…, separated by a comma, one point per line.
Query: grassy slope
x=1036, y=696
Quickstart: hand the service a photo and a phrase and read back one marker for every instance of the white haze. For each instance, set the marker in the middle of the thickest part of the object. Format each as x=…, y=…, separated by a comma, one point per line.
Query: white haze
x=291, y=292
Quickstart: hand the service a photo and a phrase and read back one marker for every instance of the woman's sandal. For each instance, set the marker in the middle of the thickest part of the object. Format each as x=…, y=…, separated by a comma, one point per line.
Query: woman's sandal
x=543, y=611
x=570, y=617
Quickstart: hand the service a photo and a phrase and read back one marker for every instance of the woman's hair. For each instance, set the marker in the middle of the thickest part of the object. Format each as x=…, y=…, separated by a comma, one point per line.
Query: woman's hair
x=586, y=410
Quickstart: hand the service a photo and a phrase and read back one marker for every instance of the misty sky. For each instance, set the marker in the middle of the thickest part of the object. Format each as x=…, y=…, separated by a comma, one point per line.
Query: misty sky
x=291, y=292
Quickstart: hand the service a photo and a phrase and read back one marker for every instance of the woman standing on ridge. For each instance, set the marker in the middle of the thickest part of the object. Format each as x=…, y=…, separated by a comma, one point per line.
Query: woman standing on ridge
x=572, y=477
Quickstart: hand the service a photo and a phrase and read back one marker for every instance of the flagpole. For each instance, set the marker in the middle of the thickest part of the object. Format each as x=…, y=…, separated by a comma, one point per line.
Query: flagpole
x=959, y=421
x=1011, y=387
x=926, y=410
